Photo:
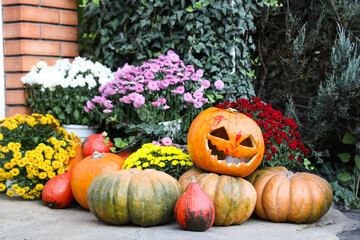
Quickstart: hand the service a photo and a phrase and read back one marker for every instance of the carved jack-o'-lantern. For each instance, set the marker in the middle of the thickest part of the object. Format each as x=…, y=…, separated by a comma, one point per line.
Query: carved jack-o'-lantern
x=225, y=142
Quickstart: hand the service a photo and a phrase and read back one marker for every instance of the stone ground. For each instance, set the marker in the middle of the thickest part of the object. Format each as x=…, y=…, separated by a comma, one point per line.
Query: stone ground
x=31, y=220
x=355, y=234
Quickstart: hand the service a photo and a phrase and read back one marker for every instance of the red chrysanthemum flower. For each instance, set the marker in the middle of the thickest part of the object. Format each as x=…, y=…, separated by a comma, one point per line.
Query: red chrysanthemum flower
x=280, y=135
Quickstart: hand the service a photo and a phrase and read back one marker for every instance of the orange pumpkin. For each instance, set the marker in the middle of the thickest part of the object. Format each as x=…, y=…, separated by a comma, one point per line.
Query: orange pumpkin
x=225, y=142
x=75, y=160
x=284, y=196
x=88, y=169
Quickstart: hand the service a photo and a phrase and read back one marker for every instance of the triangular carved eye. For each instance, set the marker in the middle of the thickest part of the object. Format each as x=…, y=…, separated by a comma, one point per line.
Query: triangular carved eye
x=220, y=133
x=248, y=142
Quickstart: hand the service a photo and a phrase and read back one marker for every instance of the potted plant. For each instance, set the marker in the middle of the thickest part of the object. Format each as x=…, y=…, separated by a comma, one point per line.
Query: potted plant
x=64, y=88
x=33, y=149
x=158, y=99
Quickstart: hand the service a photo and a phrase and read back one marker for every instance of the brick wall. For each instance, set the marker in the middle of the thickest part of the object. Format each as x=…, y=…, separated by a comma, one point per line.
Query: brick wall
x=35, y=30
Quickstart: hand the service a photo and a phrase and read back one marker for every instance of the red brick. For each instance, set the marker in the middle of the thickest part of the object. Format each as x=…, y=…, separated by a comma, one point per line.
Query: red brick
x=11, y=111
x=29, y=13
x=14, y=80
x=12, y=47
x=70, y=4
x=21, y=30
x=15, y=97
x=69, y=49
x=20, y=64
x=68, y=18
x=13, y=2
x=31, y=47
x=59, y=33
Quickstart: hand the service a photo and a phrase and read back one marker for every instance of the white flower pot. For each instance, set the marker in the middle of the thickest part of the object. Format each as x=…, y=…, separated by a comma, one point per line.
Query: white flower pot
x=82, y=131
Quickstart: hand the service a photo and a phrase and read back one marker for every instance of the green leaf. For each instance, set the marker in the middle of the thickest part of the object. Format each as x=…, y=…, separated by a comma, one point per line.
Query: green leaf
x=348, y=138
x=76, y=114
x=344, y=177
x=189, y=9
x=344, y=157
x=198, y=5
x=357, y=161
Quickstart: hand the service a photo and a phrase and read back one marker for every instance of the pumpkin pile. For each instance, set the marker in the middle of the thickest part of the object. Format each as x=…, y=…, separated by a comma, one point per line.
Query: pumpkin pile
x=226, y=147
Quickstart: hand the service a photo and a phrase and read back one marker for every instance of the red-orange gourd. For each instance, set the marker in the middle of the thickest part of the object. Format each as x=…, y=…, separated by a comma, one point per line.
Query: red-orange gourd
x=225, y=142
x=88, y=169
x=284, y=196
x=96, y=142
x=57, y=191
x=194, y=210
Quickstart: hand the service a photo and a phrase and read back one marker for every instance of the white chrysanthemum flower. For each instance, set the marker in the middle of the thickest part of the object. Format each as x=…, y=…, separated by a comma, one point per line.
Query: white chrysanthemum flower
x=65, y=83
x=30, y=78
x=41, y=64
x=80, y=81
x=63, y=65
x=90, y=80
x=73, y=84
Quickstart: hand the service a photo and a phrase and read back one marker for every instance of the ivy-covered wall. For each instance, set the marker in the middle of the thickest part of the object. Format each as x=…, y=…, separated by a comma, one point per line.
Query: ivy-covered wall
x=212, y=35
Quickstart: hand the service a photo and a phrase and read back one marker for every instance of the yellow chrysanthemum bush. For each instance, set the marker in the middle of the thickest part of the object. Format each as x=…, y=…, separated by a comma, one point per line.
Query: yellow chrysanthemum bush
x=168, y=159
x=33, y=149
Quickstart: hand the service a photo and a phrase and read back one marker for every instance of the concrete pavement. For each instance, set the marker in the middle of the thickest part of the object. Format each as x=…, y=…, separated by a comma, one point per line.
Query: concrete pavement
x=31, y=220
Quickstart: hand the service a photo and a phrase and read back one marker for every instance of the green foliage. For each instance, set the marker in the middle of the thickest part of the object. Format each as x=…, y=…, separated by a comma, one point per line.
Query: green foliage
x=309, y=50
x=336, y=109
x=67, y=107
x=293, y=48
x=334, y=118
x=212, y=35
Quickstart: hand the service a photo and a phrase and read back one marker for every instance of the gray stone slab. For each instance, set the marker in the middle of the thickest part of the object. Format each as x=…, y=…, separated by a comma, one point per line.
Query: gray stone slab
x=31, y=220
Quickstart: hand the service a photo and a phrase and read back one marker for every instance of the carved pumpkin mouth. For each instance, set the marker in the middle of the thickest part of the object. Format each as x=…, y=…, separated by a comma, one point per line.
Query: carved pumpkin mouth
x=221, y=156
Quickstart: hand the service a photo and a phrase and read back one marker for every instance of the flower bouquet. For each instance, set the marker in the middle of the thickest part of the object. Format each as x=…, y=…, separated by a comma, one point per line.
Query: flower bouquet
x=63, y=89
x=168, y=159
x=145, y=100
x=33, y=149
x=283, y=146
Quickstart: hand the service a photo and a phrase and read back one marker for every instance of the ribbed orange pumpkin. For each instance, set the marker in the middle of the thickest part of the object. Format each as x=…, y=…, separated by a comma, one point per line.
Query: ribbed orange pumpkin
x=225, y=142
x=234, y=198
x=284, y=196
x=88, y=169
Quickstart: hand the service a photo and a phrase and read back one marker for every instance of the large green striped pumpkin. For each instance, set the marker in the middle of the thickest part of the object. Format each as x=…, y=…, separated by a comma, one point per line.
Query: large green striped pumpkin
x=234, y=198
x=143, y=197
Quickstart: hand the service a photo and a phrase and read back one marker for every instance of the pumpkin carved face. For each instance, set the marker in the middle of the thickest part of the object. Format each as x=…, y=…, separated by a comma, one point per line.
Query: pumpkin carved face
x=225, y=142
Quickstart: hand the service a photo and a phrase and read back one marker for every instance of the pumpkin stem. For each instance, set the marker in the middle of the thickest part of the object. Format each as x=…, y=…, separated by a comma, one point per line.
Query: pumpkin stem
x=192, y=178
x=289, y=174
x=104, y=134
x=232, y=109
x=97, y=155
